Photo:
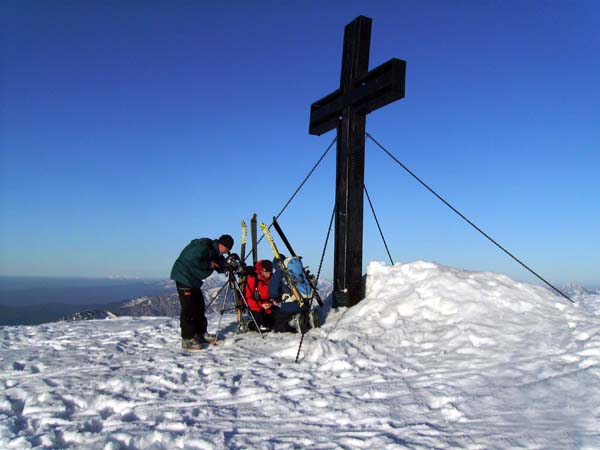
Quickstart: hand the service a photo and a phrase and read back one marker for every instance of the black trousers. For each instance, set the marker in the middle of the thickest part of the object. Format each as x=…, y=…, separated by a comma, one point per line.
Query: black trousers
x=283, y=314
x=262, y=318
x=192, y=318
x=281, y=319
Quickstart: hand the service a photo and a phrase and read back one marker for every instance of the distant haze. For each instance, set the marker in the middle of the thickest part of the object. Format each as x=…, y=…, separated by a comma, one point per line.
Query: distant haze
x=25, y=291
x=34, y=300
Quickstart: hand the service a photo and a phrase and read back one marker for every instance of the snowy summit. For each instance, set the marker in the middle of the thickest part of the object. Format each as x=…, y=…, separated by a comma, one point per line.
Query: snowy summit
x=433, y=357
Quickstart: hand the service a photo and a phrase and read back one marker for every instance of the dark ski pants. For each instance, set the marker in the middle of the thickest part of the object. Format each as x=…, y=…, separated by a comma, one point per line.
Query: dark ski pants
x=283, y=314
x=192, y=319
x=262, y=318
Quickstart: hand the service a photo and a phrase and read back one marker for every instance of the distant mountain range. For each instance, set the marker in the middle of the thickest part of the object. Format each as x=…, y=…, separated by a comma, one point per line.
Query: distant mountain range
x=149, y=305
x=35, y=300
x=168, y=305
x=574, y=291
x=159, y=305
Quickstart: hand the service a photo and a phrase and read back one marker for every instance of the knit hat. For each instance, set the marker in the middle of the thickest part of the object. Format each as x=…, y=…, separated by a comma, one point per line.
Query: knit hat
x=227, y=241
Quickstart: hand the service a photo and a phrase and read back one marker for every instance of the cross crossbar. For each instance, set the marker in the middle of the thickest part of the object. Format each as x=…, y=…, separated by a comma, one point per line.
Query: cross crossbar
x=381, y=86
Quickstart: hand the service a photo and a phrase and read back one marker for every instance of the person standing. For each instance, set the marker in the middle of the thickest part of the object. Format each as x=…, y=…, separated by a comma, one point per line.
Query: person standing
x=195, y=263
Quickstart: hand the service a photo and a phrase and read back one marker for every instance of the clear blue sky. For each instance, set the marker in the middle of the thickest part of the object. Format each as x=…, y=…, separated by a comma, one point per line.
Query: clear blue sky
x=129, y=128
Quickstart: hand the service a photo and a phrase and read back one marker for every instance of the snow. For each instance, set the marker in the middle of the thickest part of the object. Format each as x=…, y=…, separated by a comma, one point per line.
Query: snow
x=433, y=357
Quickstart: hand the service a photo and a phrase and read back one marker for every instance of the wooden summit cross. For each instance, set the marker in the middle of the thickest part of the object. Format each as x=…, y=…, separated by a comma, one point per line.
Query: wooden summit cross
x=346, y=108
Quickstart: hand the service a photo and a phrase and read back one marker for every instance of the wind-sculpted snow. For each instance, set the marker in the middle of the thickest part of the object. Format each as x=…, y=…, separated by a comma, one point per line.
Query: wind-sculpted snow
x=434, y=357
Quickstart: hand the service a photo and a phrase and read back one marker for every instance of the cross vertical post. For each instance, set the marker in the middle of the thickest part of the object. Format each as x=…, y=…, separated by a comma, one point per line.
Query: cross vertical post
x=345, y=109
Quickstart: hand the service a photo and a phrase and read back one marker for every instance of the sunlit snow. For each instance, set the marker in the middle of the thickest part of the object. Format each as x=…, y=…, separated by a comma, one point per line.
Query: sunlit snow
x=433, y=357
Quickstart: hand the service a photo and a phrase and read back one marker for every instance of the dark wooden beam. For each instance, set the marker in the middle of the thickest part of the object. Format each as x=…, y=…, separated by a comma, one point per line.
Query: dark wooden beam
x=381, y=86
x=345, y=109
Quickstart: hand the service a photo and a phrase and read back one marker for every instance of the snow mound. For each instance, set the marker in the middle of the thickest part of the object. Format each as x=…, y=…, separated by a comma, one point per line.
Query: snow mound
x=455, y=309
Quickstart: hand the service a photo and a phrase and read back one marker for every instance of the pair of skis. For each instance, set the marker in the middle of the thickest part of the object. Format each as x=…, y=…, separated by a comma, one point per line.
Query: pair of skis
x=253, y=234
x=240, y=303
x=239, y=300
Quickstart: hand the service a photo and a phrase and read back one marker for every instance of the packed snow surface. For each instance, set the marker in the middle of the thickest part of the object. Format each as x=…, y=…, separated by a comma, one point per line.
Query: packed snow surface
x=433, y=357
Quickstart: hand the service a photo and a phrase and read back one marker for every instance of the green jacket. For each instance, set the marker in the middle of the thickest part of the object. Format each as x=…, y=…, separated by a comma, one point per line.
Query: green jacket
x=193, y=264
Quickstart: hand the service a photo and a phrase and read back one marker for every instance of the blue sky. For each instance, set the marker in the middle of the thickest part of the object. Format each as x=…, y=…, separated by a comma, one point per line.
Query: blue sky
x=129, y=128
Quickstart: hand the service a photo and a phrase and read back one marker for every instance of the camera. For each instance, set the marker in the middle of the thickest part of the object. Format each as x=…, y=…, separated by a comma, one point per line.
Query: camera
x=233, y=263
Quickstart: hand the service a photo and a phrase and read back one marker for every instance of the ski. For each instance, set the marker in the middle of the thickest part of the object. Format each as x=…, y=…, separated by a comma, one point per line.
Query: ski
x=253, y=233
x=289, y=280
x=283, y=237
x=292, y=253
x=238, y=300
x=244, y=239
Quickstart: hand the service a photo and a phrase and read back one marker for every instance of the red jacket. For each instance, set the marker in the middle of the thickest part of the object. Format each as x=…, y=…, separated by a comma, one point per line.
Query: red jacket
x=257, y=289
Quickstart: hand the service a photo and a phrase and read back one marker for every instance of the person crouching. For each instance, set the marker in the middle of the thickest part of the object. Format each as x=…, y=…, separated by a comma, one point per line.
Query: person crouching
x=256, y=293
